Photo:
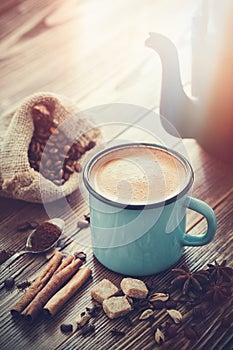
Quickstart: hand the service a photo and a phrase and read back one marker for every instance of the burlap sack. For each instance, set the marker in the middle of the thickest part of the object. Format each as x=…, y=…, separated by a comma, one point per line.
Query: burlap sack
x=17, y=178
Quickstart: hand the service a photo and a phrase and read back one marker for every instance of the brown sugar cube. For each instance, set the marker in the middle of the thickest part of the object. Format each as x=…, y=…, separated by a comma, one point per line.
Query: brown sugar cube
x=116, y=307
x=103, y=290
x=134, y=288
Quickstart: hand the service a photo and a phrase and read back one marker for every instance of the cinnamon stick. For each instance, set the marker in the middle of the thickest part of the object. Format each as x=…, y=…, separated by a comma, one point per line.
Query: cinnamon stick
x=37, y=285
x=64, y=294
x=62, y=275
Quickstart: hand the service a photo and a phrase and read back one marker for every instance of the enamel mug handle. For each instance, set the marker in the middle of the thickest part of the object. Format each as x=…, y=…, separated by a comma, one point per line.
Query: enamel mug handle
x=204, y=209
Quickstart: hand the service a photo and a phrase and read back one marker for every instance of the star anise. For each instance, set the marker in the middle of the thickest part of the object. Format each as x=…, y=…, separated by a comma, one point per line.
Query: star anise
x=218, y=292
x=220, y=271
x=190, y=281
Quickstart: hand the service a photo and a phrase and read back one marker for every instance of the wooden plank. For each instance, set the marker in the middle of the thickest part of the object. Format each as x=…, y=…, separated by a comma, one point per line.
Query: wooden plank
x=47, y=332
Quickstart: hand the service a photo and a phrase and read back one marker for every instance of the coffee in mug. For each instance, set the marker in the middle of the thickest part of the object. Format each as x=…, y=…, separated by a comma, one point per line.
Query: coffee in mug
x=138, y=197
x=139, y=175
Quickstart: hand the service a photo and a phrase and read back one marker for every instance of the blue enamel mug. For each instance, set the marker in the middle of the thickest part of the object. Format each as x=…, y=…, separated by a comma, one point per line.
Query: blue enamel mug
x=138, y=198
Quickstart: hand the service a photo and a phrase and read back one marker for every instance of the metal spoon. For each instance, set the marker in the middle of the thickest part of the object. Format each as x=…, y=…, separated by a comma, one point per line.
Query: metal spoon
x=28, y=247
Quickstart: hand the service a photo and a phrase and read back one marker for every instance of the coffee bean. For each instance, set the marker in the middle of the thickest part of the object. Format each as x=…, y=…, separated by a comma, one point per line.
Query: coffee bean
x=9, y=283
x=50, y=144
x=61, y=173
x=53, y=150
x=57, y=182
x=52, y=176
x=66, y=148
x=69, y=169
x=65, y=328
x=48, y=163
x=80, y=255
x=70, y=162
x=77, y=167
x=60, y=137
x=80, y=149
x=53, y=130
x=87, y=217
x=54, y=157
x=66, y=176
x=58, y=164
x=40, y=110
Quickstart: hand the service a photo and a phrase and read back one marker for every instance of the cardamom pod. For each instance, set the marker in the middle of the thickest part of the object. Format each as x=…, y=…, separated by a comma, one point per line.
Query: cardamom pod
x=159, y=296
x=159, y=336
x=146, y=314
x=175, y=315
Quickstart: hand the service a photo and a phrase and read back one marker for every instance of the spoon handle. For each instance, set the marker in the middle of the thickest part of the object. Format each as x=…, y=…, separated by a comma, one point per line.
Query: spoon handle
x=11, y=259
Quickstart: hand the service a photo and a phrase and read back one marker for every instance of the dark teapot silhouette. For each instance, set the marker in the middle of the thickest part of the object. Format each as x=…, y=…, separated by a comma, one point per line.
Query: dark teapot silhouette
x=208, y=118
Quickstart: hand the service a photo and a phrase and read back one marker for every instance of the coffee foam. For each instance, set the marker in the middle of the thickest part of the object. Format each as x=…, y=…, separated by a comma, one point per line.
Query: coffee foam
x=138, y=175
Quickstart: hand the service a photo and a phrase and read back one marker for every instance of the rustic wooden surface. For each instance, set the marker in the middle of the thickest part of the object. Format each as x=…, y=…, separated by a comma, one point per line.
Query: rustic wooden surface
x=94, y=52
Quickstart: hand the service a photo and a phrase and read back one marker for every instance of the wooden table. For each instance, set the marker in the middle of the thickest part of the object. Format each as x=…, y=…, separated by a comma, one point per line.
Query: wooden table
x=94, y=52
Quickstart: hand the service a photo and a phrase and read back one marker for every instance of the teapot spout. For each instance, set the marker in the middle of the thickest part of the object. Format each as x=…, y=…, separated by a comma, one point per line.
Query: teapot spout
x=175, y=105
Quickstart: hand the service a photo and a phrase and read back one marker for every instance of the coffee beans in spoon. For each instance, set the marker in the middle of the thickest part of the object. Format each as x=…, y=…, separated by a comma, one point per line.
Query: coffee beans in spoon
x=55, y=159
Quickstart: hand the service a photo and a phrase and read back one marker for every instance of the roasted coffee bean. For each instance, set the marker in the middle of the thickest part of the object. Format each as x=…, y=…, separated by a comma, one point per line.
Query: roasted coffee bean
x=40, y=109
x=53, y=130
x=66, y=148
x=65, y=328
x=80, y=255
x=42, y=134
x=69, y=169
x=57, y=182
x=70, y=162
x=48, y=163
x=90, y=145
x=58, y=164
x=87, y=217
x=53, y=150
x=80, y=149
x=61, y=173
x=60, y=137
x=23, y=285
x=94, y=310
x=50, y=143
x=66, y=176
x=9, y=283
x=53, y=156
x=52, y=176
x=78, y=167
